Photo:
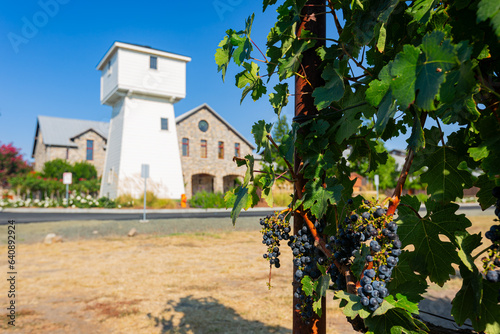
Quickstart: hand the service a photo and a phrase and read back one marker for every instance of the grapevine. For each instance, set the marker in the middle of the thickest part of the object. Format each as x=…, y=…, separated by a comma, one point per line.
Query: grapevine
x=382, y=70
x=491, y=263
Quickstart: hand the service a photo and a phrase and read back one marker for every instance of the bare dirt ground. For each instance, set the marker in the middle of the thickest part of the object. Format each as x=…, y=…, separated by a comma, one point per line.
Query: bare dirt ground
x=213, y=282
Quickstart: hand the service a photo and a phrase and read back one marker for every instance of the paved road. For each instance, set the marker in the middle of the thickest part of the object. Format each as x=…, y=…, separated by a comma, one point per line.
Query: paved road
x=23, y=216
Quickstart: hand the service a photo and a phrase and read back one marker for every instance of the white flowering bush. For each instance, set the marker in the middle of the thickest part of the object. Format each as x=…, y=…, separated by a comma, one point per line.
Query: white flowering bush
x=74, y=201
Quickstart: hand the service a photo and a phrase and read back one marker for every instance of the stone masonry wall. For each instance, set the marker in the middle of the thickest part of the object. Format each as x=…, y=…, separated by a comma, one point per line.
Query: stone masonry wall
x=44, y=153
x=212, y=165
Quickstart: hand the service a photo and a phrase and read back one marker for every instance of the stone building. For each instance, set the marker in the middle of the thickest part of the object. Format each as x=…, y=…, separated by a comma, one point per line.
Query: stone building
x=207, y=145
x=70, y=139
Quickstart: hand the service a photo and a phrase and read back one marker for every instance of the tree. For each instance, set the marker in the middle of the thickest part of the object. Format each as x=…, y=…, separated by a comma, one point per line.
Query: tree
x=387, y=172
x=280, y=133
x=386, y=66
x=11, y=163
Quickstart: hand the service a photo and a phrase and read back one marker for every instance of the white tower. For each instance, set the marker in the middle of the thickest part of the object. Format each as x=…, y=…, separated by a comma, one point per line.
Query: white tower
x=142, y=84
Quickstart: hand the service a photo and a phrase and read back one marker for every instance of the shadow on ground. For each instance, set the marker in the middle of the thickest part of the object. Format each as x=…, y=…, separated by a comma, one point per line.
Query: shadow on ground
x=436, y=309
x=207, y=315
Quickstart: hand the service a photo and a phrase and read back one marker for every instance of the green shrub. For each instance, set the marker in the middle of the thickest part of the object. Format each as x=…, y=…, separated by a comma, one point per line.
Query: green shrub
x=84, y=171
x=281, y=198
x=55, y=168
x=207, y=200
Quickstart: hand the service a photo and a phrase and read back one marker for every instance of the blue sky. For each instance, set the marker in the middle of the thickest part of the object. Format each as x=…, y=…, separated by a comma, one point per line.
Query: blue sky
x=51, y=69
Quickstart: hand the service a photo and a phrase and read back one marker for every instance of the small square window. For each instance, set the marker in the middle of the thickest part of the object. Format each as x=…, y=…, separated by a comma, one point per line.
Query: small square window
x=108, y=67
x=153, y=62
x=164, y=123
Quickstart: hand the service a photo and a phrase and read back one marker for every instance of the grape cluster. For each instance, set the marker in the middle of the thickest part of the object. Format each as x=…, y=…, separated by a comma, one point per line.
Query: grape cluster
x=375, y=228
x=306, y=257
x=372, y=291
x=274, y=228
x=491, y=263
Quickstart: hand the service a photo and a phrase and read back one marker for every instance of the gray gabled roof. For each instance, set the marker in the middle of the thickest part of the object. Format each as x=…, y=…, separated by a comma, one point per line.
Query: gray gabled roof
x=58, y=131
x=191, y=112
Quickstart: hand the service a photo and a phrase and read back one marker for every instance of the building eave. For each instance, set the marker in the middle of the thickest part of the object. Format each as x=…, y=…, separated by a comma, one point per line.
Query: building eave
x=141, y=49
x=191, y=112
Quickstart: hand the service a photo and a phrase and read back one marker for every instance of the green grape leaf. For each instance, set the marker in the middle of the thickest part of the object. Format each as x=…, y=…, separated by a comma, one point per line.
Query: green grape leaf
x=288, y=66
x=490, y=310
x=251, y=82
x=489, y=151
x=260, y=131
x=268, y=3
x=467, y=302
x=421, y=10
x=394, y=321
x=243, y=197
x=333, y=90
x=490, y=9
x=404, y=68
x=347, y=125
x=383, y=308
x=308, y=285
x=223, y=55
x=279, y=99
x=359, y=261
x=479, y=153
x=432, y=256
x=382, y=36
x=286, y=148
x=417, y=137
x=445, y=180
x=402, y=301
x=406, y=281
x=422, y=70
x=248, y=161
x=351, y=305
x=484, y=195
x=323, y=284
x=379, y=88
x=317, y=196
x=467, y=243
x=386, y=110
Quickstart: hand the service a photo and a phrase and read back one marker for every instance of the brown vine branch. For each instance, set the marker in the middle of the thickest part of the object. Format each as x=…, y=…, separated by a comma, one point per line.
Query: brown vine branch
x=280, y=176
x=319, y=39
x=290, y=168
x=320, y=243
x=395, y=199
x=263, y=55
x=336, y=19
x=260, y=60
x=354, y=60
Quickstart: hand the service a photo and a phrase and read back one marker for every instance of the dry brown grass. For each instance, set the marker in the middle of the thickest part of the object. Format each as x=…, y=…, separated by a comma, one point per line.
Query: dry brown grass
x=213, y=282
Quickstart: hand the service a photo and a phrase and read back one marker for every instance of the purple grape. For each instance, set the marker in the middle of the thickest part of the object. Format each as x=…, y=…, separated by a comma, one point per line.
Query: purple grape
x=492, y=276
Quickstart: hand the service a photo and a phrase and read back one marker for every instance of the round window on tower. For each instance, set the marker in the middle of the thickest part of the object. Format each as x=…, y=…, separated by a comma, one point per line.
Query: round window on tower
x=203, y=125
